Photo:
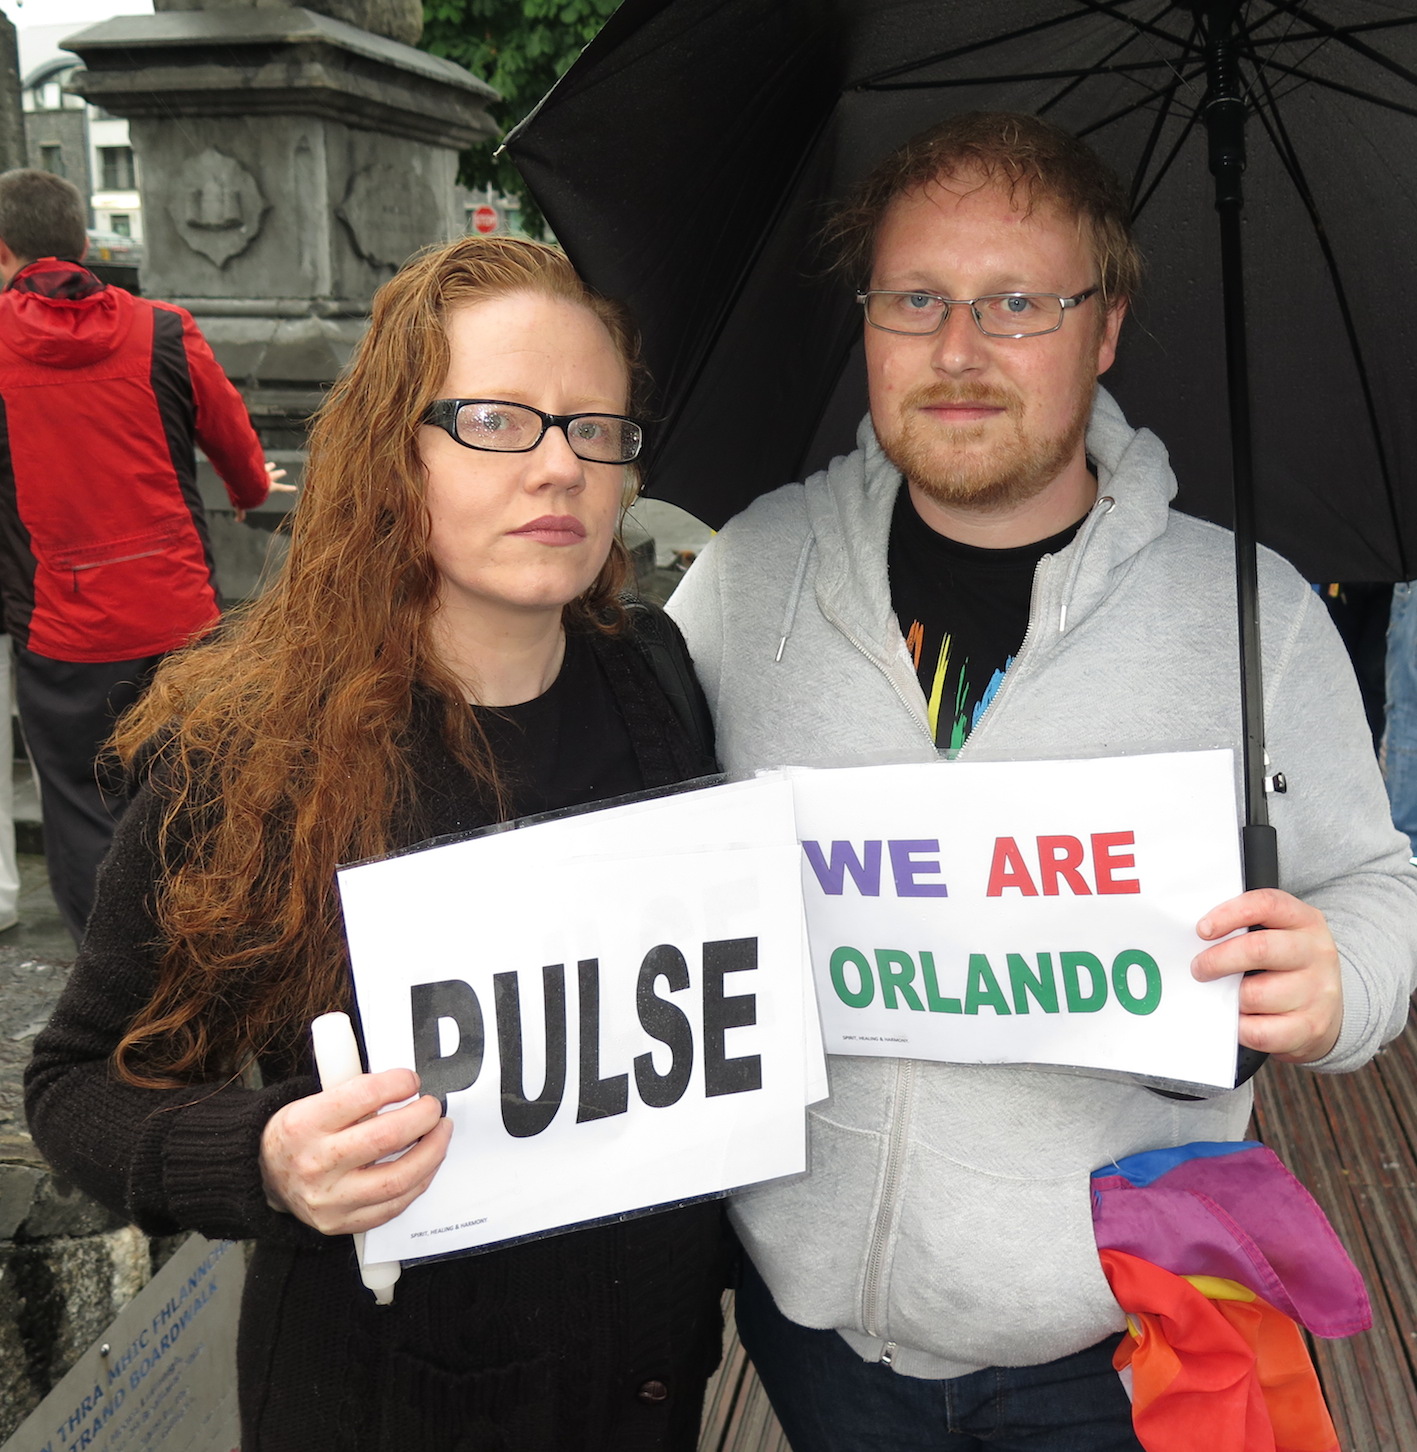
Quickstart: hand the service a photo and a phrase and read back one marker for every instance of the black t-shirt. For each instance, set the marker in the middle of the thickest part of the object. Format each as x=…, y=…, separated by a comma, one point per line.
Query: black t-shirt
x=963, y=611
x=567, y=747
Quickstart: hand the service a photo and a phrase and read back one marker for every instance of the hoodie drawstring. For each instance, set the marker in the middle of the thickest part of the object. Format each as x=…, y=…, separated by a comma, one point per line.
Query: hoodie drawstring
x=795, y=595
x=1084, y=537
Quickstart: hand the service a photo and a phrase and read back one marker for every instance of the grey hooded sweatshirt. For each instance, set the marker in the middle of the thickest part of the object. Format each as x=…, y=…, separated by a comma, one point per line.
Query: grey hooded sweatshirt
x=944, y=1223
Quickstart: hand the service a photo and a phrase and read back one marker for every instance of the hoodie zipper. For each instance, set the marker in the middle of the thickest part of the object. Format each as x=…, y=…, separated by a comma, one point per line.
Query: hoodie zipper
x=884, y=670
x=873, y=1308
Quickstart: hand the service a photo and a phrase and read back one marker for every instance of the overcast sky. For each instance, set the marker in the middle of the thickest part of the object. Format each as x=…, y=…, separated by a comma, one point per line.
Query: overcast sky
x=70, y=12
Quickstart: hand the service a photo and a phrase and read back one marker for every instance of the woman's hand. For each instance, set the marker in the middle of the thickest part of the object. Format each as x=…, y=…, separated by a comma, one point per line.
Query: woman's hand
x=318, y=1155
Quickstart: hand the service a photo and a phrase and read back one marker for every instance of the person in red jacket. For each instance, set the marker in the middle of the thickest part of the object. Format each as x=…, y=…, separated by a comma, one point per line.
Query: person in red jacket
x=105, y=560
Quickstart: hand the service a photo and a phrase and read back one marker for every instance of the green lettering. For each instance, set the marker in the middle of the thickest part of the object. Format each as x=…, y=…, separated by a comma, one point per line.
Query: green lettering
x=1130, y=958
x=1072, y=988
x=982, y=987
x=932, y=988
x=857, y=997
x=1024, y=981
x=897, y=971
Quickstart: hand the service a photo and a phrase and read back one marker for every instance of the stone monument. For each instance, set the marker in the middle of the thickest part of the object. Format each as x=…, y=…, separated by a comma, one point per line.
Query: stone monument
x=290, y=160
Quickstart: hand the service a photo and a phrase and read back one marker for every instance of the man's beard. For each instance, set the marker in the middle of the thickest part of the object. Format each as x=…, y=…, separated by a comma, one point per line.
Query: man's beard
x=953, y=466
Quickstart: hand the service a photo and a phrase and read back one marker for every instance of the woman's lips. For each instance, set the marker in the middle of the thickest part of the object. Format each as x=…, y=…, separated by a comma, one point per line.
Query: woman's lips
x=553, y=529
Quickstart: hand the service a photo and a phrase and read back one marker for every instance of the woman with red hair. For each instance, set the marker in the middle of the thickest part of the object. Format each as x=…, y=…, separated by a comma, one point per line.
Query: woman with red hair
x=444, y=648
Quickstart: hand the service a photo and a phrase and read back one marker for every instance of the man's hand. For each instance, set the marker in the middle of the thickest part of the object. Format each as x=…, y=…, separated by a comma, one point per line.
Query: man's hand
x=1292, y=1005
x=274, y=474
x=319, y=1155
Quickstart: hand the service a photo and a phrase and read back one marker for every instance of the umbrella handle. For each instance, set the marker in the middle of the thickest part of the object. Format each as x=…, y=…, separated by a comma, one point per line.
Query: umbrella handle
x=1259, y=845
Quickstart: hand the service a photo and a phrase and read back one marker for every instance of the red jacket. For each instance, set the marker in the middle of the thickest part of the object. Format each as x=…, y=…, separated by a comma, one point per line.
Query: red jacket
x=104, y=553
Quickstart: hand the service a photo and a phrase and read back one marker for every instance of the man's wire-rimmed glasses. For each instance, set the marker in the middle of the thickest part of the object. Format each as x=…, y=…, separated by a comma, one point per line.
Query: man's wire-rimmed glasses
x=500, y=427
x=997, y=314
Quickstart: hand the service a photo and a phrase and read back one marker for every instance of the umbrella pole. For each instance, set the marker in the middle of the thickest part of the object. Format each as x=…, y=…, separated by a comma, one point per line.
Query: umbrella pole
x=1225, y=130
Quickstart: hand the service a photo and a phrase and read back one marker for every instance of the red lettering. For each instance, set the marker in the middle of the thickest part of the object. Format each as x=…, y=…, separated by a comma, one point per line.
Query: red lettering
x=1008, y=870
x=1107, y=862
x=1061, y=857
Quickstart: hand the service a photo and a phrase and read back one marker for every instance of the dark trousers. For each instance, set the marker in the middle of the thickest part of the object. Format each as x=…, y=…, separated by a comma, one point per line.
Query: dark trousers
x=68, y=709
x=829, y=1400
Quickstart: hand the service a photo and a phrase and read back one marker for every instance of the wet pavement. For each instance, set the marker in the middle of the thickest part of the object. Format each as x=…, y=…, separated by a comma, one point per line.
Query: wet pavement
x=35, y=956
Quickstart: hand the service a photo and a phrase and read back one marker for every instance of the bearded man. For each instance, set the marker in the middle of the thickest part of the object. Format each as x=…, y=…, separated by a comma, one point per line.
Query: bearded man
x=996, y=569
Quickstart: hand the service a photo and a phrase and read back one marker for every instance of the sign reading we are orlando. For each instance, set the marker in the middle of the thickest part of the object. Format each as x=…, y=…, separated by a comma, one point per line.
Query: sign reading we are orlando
x=1023, y=912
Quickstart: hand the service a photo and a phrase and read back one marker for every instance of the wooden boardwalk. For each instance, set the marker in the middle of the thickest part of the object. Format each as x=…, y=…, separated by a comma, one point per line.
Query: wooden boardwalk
x=737, y=1417
x=1352, y=1139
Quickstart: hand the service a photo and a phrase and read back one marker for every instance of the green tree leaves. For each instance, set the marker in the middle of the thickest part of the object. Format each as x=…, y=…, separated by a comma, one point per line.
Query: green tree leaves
x=519, y=47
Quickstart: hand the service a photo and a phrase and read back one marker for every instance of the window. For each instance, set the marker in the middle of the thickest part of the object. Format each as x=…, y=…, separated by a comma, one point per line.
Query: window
x=116, y=168
x=121, y=223
x=51, y=159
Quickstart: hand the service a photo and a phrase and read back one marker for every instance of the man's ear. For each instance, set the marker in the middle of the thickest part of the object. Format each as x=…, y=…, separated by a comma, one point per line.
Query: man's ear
x=1111, y=328
x=9, y=263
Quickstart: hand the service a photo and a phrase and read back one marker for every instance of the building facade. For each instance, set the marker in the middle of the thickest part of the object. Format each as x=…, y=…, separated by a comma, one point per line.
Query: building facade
x=67, y=136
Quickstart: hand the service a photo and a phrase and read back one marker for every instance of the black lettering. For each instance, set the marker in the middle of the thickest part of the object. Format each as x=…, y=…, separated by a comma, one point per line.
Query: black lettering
x=666, y=1022
x=723, y=1075
x=452, y=999
x=600, y=1098
x=525, y=1117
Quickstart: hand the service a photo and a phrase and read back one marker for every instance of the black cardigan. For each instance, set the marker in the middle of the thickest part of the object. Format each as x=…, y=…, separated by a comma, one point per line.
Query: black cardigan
x=596, y=1339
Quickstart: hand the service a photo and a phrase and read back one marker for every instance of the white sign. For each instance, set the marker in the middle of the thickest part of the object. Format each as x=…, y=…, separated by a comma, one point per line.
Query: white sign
x=1023, y=912
x=615, y=1008
x=162, y=1378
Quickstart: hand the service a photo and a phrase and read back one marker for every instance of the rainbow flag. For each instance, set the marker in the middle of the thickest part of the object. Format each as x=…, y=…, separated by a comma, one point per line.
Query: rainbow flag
x=1218, y=1255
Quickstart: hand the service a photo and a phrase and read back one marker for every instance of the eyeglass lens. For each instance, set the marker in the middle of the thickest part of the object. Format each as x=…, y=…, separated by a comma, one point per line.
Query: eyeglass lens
x=1003, y=315
x=600, y=438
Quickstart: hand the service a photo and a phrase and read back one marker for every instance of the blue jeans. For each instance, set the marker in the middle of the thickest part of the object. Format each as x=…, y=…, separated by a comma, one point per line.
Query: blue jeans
x=1400, y=743
x=829, y=1400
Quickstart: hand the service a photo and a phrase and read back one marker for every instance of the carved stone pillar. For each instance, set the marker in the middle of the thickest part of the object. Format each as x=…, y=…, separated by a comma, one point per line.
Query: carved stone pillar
x=289, y=163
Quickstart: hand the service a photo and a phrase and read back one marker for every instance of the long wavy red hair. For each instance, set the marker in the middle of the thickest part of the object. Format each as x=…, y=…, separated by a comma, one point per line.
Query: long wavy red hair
x=277, y=742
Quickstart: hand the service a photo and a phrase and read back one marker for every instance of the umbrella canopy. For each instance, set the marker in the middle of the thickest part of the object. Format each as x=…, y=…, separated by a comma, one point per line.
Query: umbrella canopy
x=689, y=159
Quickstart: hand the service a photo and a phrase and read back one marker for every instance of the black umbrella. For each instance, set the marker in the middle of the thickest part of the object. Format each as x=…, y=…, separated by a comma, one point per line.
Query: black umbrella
x=687, y=161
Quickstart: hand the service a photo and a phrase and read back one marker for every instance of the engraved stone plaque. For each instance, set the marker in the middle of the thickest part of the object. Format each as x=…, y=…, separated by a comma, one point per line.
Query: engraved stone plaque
x=217, y=206
x=381, y=203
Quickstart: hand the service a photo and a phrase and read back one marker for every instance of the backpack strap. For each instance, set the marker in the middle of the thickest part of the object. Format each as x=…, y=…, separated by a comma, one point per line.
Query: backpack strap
x=664, y=651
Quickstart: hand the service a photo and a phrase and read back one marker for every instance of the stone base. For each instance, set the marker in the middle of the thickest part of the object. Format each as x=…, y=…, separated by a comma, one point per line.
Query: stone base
x=282, y=360
x=67, y=1267
x=284, y=154
x=286, y=207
